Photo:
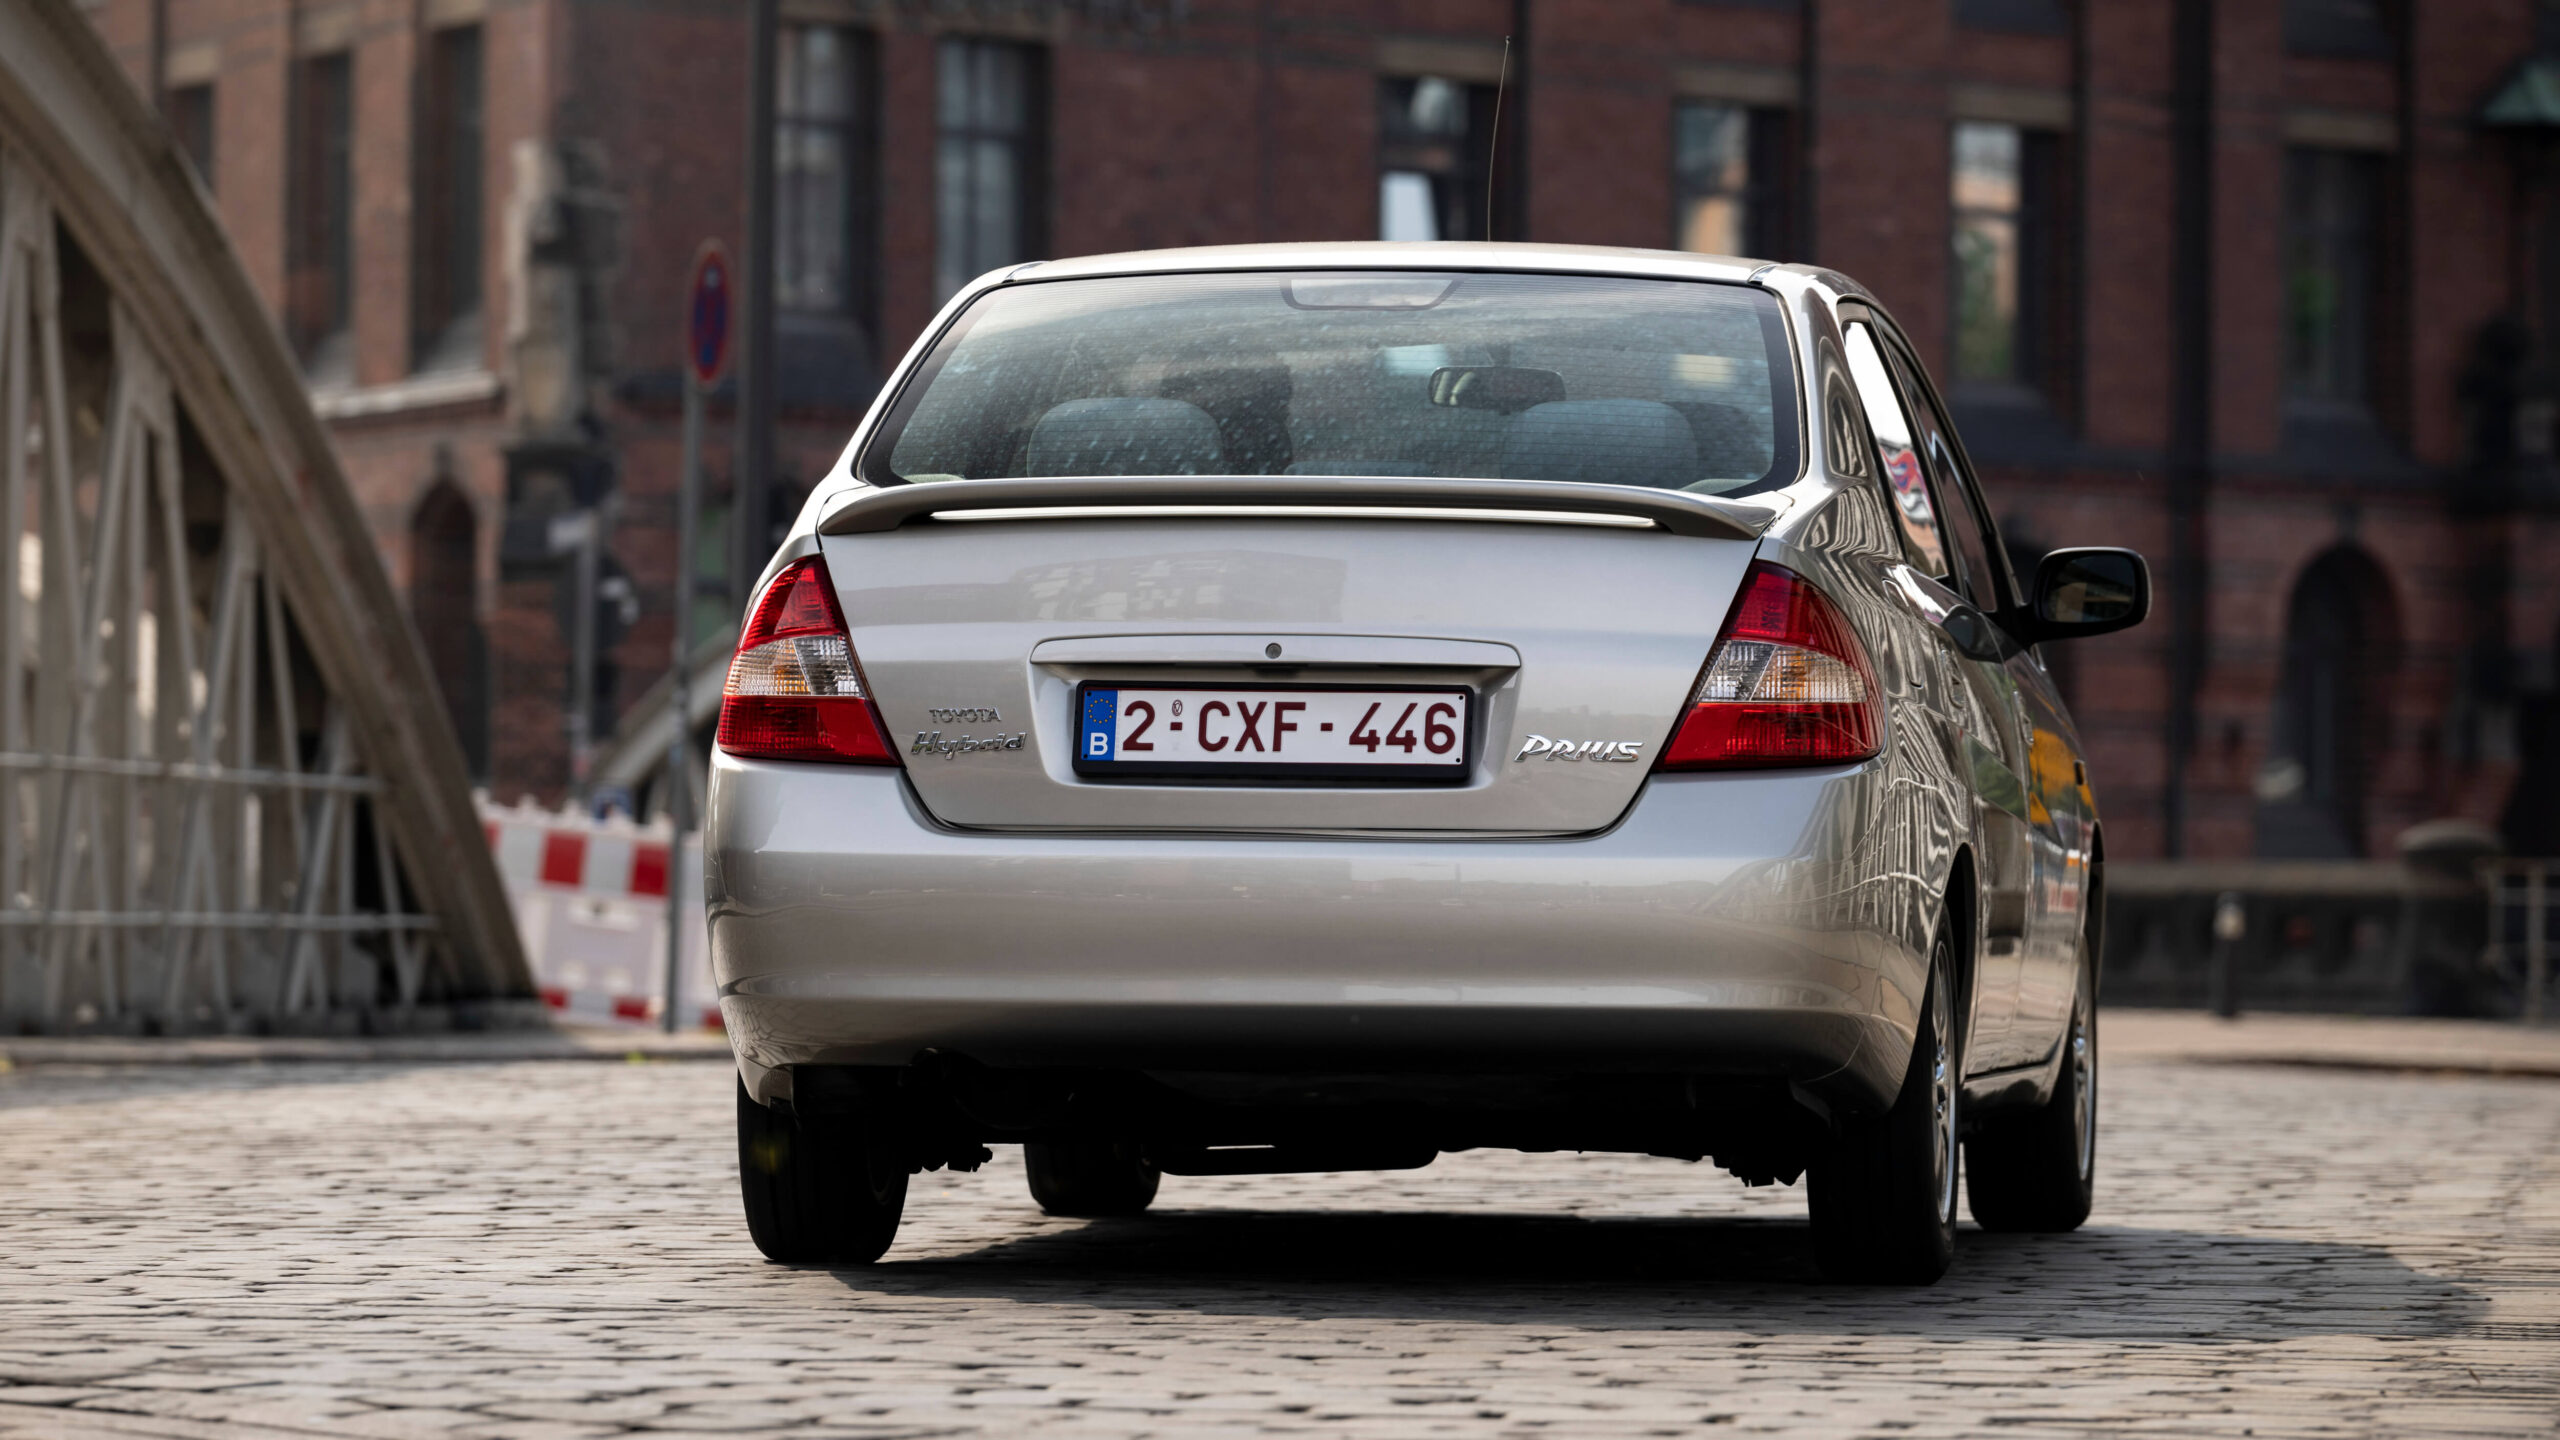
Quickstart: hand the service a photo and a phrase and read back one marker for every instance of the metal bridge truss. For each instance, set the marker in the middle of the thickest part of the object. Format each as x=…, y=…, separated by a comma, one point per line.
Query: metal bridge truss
x=191, y=838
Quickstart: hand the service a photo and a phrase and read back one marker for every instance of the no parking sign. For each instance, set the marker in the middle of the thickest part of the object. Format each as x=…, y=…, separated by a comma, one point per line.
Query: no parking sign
x=706, y=316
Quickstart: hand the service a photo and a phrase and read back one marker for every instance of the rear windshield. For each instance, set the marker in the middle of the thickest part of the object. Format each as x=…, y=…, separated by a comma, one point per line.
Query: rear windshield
x=1670, y=384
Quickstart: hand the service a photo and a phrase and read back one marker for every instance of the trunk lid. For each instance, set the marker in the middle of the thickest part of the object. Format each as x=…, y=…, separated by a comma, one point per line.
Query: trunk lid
x=975, y=634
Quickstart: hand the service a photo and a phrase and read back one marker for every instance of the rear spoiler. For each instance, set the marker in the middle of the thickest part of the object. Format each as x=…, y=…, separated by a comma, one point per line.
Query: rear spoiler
x=873, y=510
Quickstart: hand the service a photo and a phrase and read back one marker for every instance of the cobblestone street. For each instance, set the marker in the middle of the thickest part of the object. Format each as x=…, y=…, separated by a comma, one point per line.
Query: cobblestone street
x=554, y=1250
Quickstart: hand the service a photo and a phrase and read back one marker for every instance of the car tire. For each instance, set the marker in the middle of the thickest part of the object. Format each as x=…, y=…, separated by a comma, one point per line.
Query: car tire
x=819, y=1190
x=2036, y=1172
x=1883, y=1191
x=1090, y=1179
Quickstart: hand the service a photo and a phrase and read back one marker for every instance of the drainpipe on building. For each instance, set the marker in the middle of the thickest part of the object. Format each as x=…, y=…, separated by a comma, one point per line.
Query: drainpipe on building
x=2191, y=406
x=1808, y=196
x=751, y=493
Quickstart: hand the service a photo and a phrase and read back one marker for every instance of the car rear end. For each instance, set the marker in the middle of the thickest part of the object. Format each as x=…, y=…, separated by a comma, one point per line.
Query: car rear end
x=1273, y=709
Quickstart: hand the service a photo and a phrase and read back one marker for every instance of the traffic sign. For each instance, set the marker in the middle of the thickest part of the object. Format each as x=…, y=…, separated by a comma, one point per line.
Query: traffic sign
x=706, y=316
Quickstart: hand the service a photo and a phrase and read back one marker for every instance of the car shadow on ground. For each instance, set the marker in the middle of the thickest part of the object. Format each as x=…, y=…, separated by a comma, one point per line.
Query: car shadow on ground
x=1757, y=1275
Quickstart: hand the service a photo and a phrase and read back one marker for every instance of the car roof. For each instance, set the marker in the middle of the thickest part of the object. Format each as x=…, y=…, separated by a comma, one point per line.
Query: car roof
x=1402, y=255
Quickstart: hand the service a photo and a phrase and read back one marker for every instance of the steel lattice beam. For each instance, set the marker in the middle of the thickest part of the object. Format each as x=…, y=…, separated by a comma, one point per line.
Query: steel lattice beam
x=227, y=796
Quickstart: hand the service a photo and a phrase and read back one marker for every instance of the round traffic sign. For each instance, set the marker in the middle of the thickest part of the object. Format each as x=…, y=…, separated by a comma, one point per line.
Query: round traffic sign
x=706, y=316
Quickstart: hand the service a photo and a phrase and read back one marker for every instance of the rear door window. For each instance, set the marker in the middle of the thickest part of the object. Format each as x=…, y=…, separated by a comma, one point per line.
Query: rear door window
x=1668, y=384
x=1968, y=519
x=1897, y=451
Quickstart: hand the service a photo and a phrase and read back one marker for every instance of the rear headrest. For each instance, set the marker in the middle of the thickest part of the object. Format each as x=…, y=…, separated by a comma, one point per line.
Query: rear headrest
x=1125, y=435
x=1619, y=442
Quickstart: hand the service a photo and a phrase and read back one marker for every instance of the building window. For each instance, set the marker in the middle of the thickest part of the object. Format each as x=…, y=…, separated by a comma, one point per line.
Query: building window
x=2333, y=201
x=444, y=560
x=447, y=328
x=2006, y=235
x=822, y=170
x=1728, y=169
x=1434, y=152
x=990, y=182
x=191, y=122
x=2339, y=29
x=2018, y=17
x=318, y=267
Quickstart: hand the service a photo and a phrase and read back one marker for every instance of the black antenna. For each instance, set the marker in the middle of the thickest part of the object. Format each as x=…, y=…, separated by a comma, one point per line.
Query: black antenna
x=1493, y=143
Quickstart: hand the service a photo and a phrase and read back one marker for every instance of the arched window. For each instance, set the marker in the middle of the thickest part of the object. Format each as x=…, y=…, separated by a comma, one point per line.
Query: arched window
x=2331, y=725
x=444, y=601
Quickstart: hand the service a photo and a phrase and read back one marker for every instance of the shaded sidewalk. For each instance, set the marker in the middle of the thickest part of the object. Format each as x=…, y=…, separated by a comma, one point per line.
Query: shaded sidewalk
x=2354, y=1042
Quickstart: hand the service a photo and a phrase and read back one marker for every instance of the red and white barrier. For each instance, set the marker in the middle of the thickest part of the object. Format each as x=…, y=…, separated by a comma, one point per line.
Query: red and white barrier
x=590, y=900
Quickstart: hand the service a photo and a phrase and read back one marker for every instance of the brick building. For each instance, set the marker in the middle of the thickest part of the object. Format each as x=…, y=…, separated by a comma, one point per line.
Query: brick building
x=2261, y=286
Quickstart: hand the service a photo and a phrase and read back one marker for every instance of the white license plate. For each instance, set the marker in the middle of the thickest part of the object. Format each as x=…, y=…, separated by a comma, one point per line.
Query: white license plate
x=1305, y=732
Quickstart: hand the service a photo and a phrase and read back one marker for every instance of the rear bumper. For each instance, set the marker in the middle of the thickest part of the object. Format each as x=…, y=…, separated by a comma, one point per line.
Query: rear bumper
x=1729, y=925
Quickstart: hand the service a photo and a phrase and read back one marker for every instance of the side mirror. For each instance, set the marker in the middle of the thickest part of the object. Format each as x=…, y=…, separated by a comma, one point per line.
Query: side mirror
x=2088, y=591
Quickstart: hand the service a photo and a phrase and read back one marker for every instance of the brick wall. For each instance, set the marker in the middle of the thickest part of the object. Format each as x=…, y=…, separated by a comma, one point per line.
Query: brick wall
x=1256, y=121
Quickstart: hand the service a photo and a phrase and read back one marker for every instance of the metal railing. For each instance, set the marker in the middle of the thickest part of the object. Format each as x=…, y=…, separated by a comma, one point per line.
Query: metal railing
x=2521, y=884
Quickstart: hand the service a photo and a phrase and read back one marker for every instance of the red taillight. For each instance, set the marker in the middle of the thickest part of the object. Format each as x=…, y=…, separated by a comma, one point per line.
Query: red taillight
x=795, y=690
x=1787, y=684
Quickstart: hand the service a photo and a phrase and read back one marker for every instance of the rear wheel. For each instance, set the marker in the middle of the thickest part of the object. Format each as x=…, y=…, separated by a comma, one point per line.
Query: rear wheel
x=819, y=1189
x=2037, y=1171
x=1883, y=1193
x=1088, y=1179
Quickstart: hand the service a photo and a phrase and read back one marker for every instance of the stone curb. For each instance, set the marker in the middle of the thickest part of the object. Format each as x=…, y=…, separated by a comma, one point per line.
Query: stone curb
x=483, y=1048
x=2403, y=1045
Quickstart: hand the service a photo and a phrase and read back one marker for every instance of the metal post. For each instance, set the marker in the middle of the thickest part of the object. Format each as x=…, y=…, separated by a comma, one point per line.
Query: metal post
x=679, y=805
x=2230, y=924
x=752, y=489
x=2537, y=938
x=579, y=533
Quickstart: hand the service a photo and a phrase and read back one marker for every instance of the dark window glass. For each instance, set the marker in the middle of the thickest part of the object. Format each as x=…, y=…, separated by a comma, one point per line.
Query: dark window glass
x=318, y=253
x=823, y=172
x=2022, y=17
x=448, y=332
x=191, y=121
x=2332, y=222
x=2006, y=245
x=444, y=600
x=1660, y=383
x=1968, y=515
x=2343, y=29
x=1897, y=448
x=1729, y=168
x=990, y=160
x=1435, y=141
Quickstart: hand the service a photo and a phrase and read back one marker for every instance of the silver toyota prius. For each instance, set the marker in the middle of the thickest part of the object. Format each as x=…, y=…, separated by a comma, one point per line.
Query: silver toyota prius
x=1310, y=708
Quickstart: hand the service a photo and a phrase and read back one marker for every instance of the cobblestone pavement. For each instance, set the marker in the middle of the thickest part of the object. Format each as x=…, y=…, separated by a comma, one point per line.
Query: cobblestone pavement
x=554, y=1250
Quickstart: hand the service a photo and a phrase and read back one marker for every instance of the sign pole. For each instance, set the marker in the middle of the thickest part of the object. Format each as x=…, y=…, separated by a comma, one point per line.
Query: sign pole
x=706, y=357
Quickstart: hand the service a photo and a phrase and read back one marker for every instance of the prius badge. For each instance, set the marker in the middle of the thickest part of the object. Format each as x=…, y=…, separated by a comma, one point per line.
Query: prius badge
x=1612, y=752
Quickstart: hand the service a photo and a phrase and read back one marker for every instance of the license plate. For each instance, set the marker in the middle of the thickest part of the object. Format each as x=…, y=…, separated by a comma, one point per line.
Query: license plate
x=1307, y=732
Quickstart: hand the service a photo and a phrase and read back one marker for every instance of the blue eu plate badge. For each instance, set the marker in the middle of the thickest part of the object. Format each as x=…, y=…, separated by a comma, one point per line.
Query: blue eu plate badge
x=1101, y=723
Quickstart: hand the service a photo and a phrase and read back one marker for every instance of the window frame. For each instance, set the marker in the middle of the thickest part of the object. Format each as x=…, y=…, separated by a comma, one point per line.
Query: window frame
x=320, y=214
x=448, y=289
x=188, y=105
x=857, y=132
x=2370, y=297
x=2040, y=337
x=1768, y=135
x=1030, y=146
x=1465, y=179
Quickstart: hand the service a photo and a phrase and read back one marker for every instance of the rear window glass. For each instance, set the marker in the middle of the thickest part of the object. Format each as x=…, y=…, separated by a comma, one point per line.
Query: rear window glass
x=1676, y=385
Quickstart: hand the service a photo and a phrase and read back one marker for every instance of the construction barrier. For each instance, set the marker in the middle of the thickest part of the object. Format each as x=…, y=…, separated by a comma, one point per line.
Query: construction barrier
x=590, y=900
